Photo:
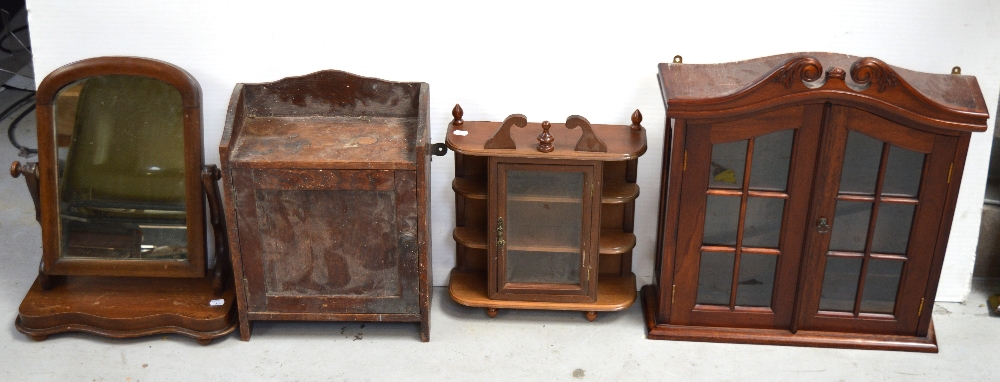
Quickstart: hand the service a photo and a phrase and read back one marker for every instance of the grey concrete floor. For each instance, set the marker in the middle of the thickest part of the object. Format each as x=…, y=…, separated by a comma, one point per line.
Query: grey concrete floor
x=465, y=343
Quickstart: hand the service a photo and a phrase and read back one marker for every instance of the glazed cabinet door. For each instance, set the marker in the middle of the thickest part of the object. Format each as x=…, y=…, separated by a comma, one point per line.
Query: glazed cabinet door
x=875, y=219
x=545, y=222
x=745, y=191
x=339, y=241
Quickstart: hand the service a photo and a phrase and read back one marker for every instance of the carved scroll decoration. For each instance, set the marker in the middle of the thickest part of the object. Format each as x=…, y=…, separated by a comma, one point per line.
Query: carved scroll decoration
x=870, y=70
x=588, y=141
x=805, y=69
x=502, y=140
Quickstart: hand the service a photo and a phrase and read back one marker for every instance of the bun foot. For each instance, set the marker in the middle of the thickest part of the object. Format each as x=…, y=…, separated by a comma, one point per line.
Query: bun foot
x=39, y=337
x=591, y=316
x=492, y=312
x=205, y=342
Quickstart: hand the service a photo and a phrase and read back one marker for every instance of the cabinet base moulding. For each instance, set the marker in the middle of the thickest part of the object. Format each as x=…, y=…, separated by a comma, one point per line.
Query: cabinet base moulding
x=614, y=293
x=656, y=331
x=122, y=307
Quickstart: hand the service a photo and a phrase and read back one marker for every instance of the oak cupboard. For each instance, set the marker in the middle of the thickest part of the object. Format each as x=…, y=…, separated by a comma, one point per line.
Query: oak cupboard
x=807, y=200
x=326, y=177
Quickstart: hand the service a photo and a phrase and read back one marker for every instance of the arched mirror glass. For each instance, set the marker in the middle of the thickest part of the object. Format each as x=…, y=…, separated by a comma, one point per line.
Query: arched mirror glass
x=120, y=169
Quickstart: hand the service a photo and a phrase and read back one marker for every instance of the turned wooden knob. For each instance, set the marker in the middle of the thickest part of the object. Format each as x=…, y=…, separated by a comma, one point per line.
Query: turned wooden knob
x=545, y=138
x=636, y=120
x=15, y=169
x=457, y=114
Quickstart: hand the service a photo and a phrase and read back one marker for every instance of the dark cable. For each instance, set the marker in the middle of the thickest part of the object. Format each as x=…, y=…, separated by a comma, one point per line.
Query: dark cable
x=13, y=125
x=4, y=37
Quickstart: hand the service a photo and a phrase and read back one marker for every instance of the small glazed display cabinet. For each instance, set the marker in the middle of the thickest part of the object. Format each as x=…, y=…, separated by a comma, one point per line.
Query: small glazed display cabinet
x=808, y=200
x=327, y=178
x=119, y=190
x=544, y=213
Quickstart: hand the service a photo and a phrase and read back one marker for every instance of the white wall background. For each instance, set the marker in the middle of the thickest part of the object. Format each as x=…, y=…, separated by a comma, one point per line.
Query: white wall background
x=544, y=59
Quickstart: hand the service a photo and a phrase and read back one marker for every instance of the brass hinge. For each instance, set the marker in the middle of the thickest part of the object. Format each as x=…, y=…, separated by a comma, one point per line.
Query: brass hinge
x=685, y=161
x=921, y=309
x=673, y=292
x=949, y=171
x=591, y=190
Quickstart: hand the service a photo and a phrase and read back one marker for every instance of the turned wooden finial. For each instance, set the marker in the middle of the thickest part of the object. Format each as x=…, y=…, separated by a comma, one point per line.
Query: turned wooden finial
x=15, y=169
x=636, y=121
x=457, y=113
x=545, y=138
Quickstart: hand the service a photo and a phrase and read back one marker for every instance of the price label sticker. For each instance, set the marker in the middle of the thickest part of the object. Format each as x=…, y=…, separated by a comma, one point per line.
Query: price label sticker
x=217, y=302
x=460, y=132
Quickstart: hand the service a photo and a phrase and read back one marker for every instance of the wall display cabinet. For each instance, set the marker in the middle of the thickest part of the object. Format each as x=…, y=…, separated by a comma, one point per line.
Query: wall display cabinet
x=807, y=200
x=544, y=213
x=119, y=189
x=327, y=179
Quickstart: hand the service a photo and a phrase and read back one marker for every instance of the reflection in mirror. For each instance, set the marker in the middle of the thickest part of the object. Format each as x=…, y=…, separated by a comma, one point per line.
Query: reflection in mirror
x=120, y=164
x=840, y=283
x=881, y=285
x=715, y=278
x=850, y=226
x=902, y=172
x=762, y=227
x=772, y=155
x=722, y=218
x=861, y=161
x=892, y=228
x=756, y=280
x=728, y=164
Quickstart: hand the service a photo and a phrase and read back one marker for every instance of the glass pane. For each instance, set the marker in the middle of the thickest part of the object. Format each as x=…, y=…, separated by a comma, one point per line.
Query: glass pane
x=543, y=267
x=120, y=163
x=756, y=279
x=715, y=278
x=771, y=156
x=722, y=216
x=543, y=226
x=850, y=226
x=902, y=172
x=840, y=284
x=881, y=284
x=763, y=222
x=535, y=184
x=728, y=162
x=892, y=228
x=544, y=209
x=861, y=161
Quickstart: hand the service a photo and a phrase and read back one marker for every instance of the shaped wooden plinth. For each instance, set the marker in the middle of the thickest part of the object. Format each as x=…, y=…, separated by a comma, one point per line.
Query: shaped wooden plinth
x=127, y=307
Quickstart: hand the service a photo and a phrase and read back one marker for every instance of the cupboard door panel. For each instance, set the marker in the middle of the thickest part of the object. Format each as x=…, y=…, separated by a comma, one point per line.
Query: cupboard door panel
x=341, y=240
x=544, y=240
x=881, y=202
x=743, y=199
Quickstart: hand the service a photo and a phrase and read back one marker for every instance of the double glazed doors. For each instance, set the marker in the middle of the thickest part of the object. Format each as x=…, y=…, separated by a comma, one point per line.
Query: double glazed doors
x=745, y=188
x=542, y=243
x=809, y=219
x=875, y=217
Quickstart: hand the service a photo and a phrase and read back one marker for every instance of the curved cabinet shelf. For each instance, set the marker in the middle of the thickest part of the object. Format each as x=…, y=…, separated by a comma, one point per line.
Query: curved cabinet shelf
x=476, y=189
x=613, y=241
x=469, y=188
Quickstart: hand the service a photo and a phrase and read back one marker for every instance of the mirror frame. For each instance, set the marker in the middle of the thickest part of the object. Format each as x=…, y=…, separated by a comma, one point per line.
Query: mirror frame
x=194, y=160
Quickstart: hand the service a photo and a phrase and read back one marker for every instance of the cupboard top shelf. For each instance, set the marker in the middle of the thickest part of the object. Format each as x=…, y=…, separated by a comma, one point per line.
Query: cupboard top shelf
x=951, y=101
x=623, y=143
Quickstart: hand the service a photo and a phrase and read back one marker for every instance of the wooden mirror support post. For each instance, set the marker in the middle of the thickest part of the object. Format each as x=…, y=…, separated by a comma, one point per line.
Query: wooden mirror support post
x=807, y=200
x=327, y=179
x=544, y=213
x=119, y=191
